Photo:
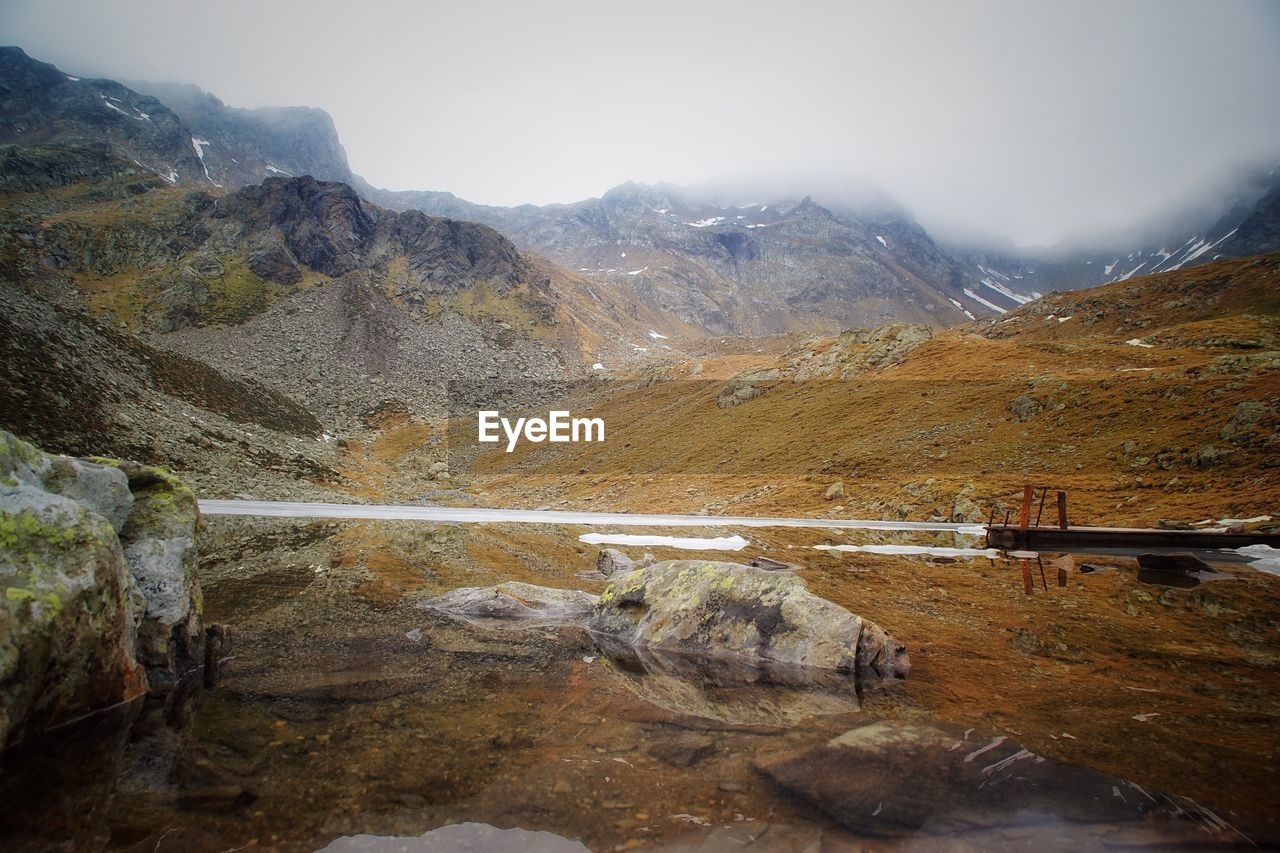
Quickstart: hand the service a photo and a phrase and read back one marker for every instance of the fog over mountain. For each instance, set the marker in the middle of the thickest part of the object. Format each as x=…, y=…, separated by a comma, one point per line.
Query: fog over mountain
x=1021, y=123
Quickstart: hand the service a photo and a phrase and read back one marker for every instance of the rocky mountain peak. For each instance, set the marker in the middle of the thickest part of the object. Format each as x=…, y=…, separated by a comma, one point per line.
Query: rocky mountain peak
x=242, y=146
x=41, y=104
x=182, y=133
x=322, y=224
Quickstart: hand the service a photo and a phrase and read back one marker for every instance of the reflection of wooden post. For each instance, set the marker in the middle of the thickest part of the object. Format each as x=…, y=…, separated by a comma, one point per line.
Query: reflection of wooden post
x=1062, y=510
x=1026, y=575
x=1028, y=492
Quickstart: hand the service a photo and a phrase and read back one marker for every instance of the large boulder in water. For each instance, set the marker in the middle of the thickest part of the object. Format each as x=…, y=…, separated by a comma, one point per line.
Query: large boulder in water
x=96, y=574
x=698, y=607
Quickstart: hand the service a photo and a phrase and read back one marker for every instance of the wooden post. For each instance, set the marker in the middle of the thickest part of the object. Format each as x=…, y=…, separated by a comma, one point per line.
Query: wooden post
x=1062, y=510
x=1028, y=492
x=1043, y=493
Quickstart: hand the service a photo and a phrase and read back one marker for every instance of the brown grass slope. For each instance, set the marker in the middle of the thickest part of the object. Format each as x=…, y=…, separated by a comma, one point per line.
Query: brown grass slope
x=1183, y=428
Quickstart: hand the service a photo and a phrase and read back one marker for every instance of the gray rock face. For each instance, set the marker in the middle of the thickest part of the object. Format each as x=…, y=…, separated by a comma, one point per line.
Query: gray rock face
x=243, y=146
x=1209, y=456
x=66, y=640
x=1024, y=407
x=703, y=608
x=856, y=351
x=114, y=394
x=97, y=563
x=714, y=640
x=612, y=561
x=966, y=509
x=731, y=689
x=1243, y=426
x=41, y=104
x=458, y=838
x=847, y=356
x=99, y=488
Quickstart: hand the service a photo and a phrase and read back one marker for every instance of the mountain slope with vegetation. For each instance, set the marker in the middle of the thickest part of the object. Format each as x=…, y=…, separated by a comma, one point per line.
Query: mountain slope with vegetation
x=1148, y=399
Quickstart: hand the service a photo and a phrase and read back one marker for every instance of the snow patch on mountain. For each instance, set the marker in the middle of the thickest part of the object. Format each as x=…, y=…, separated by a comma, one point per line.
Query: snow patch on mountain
x=976, y=298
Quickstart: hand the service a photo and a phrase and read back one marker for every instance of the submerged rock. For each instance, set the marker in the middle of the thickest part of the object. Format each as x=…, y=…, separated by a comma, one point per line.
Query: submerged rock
x=97, y=563
x=705, y=608
x=515, y=602
x=892, y=778
x=459, y=837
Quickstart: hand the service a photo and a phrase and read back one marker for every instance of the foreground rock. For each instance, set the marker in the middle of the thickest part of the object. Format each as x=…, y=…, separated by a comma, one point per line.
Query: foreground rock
x=159, y=541
x=100, y=601
x=894, y=778
x=705, y=608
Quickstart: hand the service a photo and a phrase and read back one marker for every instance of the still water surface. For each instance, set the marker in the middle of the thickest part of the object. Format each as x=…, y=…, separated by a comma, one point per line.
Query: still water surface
x=1054, y=703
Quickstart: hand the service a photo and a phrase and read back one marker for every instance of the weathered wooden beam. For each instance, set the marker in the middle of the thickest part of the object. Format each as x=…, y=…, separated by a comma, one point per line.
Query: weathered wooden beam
x=1011, y=537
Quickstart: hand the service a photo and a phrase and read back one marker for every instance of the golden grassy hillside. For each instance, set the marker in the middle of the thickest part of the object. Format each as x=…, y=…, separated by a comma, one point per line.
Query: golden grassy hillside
x=1181, y=423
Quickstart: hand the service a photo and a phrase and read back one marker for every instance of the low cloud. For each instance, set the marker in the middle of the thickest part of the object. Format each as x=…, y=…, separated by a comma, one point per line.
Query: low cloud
x=1031, y=123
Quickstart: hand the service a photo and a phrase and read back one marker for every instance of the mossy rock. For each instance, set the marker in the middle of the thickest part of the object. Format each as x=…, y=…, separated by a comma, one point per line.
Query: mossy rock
x=708, y=608
x=66, y=627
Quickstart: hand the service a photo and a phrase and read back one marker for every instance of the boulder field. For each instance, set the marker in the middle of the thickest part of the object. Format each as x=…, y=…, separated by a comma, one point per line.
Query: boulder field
x=100, y=601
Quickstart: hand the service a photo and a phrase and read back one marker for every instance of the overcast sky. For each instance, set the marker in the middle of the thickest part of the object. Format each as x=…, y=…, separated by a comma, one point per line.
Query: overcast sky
x=1037, y=122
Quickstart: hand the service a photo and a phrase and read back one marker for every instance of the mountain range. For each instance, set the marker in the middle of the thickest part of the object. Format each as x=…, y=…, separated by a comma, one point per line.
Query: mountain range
x=666, y=258
x=213, y=288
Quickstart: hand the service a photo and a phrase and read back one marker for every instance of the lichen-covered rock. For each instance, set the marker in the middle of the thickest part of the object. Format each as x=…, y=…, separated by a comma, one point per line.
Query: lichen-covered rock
x=66, y=626
x=1246, y=422
x=159, y=541
x=100, y=488
x=100, y=602
x=701, y=607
